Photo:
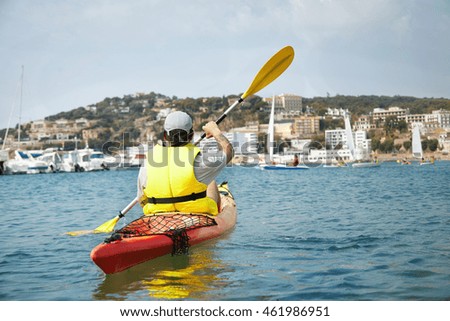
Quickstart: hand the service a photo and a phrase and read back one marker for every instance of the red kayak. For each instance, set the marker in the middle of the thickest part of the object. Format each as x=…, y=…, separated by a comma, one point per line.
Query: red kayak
x=152, y=236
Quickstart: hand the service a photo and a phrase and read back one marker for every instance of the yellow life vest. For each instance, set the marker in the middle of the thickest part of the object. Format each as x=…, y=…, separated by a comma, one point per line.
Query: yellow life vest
x=171, y=179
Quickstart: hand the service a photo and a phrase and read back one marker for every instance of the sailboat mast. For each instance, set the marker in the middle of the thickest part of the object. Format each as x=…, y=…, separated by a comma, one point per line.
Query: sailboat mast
x=272, y=130
x=11, y=114
x=20, y=107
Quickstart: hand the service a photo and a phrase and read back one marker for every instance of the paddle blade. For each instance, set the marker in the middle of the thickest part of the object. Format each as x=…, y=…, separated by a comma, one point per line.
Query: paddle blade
x=78, y=233
x=107, y=227
x=272, y=69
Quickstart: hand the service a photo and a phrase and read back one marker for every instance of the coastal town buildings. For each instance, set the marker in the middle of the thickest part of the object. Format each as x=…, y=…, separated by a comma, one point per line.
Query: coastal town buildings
x=285, y=104
x=380, y=114
x=293, y=122
x=337, y=139
x=60, y=129
x=336, y=112
x=364, y=123
x=437, y=118
x=306, y=126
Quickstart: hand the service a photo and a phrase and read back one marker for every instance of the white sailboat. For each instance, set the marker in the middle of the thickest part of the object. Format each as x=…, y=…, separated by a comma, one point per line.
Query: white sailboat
x=416, y=142
x=349, y=134
x=360, y=157
x=417, y=151
x=271, y=143
x=23, y=162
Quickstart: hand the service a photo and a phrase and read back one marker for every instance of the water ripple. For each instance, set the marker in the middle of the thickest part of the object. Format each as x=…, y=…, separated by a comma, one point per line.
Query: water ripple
x=314, y=235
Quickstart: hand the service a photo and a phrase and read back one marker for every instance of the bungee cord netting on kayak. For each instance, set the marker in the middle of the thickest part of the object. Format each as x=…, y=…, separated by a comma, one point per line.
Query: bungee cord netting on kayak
x=175, y=226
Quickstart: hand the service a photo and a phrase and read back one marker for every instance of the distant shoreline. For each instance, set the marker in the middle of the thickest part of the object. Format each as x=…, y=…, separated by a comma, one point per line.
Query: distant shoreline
x=400, y=156
x=438, y=156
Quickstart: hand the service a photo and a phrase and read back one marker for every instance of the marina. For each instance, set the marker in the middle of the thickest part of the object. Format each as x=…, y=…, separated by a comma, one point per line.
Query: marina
x=53, y=160
x=57, y=161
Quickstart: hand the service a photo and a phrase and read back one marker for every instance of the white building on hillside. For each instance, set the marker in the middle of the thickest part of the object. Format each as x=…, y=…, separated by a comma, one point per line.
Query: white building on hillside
x=334, y=138
x=286, y=103
x=381, y=114
x=361, y=141
x=338, y=138
x=243, y=143
x=363, y=123
x=336, y=112
x=442, y=118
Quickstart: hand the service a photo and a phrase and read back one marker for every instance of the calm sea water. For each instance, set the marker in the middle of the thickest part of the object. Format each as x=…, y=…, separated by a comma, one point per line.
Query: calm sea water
x=322, y=234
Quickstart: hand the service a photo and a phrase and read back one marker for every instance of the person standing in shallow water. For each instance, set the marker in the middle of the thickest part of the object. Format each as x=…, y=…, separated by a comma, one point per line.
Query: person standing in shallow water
x=177, y=176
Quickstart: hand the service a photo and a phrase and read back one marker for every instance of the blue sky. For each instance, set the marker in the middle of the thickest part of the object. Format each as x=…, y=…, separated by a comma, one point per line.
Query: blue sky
x=79, y=52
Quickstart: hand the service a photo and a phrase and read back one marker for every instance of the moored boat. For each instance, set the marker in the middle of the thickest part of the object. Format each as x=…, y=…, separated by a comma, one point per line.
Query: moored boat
x=168, y=233
x=278, y=167
x=25, y=163
x=417, y=150
x=53, y=159
x=271, y=164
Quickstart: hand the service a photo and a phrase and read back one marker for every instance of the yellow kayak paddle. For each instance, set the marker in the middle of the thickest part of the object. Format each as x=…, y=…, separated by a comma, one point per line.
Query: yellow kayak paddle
x=271, y=70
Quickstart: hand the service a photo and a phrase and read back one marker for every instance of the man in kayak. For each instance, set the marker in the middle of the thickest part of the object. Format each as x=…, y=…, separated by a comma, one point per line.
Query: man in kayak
x=177, y=176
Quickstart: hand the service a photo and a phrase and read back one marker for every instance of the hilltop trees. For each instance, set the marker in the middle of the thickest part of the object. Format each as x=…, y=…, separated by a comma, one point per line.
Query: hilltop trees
x=364, y=105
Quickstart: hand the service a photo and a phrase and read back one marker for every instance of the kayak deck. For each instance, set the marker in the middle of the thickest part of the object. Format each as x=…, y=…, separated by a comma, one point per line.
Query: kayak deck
x=119, y=253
